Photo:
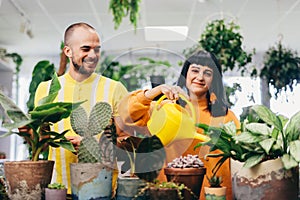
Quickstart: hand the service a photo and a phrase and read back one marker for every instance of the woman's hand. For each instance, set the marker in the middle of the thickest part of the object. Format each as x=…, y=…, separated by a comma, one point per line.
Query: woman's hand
x=171, y=92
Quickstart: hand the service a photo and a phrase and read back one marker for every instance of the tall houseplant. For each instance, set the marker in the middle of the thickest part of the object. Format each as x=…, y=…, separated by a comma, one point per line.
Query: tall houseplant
x=264, y=136
x=35, y=129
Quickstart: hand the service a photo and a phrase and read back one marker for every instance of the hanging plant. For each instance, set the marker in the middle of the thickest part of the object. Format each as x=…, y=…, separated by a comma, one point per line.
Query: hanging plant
x=281, y=68
x=225, y=41
x=123, y=8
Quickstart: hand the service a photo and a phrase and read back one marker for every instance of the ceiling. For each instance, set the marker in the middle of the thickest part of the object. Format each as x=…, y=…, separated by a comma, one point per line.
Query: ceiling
x=262, y=22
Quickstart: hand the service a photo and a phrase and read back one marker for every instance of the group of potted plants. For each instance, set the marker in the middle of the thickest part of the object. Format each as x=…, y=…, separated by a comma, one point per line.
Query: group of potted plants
x=264, y=153
x=30, y=178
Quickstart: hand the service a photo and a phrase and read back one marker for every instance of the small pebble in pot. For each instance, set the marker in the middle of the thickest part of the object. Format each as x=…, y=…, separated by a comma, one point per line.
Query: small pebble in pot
x=189, y=161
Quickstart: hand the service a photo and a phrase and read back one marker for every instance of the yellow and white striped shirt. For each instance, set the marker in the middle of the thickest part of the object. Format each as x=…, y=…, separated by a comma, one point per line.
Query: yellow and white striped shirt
x=94, y=89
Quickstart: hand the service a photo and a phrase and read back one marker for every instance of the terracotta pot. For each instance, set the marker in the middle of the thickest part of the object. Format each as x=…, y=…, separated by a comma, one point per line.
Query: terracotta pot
x=190, y=177
x=55, y=194
x=212, y=193
x=28, y=175
x=267, y=180
x=90, y=181
x=163, y=193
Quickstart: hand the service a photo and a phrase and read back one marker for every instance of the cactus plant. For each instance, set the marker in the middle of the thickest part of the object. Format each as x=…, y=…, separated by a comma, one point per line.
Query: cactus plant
x=90, y=151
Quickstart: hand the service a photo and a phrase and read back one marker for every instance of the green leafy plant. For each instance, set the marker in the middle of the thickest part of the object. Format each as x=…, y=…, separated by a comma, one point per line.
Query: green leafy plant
x=37, y=123
x=17, y=59
x=215, y=181
x=145, y=156
x=264, y=135
x=116, y=71
x=225, y=41
x=121, y=9
x=57, y=186
x=42, y=71
x=156, y=185
x=281, y=68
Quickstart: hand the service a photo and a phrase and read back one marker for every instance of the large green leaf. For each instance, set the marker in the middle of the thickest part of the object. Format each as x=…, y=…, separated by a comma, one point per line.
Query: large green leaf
x=292, y=129
x=259, y=128
x=267, y=144
x=230, y=128
x=247, y=137
x=253, y=160
x=53, y=92
x=12, y=110
x=267, y=116
x=288, y=161
x=295, y=150
x=42, y=71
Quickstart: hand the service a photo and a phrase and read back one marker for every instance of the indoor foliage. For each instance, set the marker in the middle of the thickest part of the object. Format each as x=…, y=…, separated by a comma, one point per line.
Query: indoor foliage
x=123, y=8
x=225, y=41
x=281, y=68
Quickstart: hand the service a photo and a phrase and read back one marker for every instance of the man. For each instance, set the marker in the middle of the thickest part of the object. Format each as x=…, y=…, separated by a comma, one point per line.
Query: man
x=82, y=47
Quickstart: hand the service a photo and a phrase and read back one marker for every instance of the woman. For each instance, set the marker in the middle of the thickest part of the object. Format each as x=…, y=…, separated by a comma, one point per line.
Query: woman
x=201, y=77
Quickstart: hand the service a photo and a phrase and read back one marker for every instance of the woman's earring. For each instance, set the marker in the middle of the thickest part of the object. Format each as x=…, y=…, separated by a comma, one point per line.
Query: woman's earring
x=213, y=97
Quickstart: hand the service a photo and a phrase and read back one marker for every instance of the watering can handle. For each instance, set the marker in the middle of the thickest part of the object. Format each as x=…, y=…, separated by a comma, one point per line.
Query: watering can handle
x=182, y=97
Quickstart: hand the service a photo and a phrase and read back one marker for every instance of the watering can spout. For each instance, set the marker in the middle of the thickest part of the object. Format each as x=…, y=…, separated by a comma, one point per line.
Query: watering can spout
x=172, y=122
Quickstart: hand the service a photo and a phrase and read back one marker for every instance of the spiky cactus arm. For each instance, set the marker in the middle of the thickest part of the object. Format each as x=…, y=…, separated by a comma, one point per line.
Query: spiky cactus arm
x=89, y=151
x=79, y=121
x=99, y=118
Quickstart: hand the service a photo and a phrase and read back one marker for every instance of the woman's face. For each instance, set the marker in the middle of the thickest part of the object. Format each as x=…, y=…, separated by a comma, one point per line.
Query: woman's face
x=198, y=80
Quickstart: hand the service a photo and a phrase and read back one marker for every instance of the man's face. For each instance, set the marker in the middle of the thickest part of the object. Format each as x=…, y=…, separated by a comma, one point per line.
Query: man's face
x=85, y=50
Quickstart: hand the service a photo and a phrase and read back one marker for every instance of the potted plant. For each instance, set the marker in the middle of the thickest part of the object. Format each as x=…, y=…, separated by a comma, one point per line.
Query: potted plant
x=35, y=175
x=224, y=40
x=215, y=191
x=56, y=191
x=128, y=183
x=264, y=153
x=144, y=157
x=188, y=170
x=281, y=68
x=92, y=176
x=164, y=190
x=121, y=9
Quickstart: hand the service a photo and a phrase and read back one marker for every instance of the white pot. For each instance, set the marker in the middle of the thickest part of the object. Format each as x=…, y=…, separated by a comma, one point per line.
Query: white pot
x=267, y=180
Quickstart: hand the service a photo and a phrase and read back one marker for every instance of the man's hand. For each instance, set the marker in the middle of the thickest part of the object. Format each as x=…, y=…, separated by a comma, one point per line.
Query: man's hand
x=75, y=140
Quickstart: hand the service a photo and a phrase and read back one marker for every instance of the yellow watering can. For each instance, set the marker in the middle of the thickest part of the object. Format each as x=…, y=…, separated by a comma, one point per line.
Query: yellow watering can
x=173, y=122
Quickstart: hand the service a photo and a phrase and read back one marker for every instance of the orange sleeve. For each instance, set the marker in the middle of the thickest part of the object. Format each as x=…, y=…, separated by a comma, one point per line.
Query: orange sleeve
x=135, y=108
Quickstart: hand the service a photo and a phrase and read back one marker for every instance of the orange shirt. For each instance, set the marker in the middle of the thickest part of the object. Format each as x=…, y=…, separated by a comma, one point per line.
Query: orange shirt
x=135, y=109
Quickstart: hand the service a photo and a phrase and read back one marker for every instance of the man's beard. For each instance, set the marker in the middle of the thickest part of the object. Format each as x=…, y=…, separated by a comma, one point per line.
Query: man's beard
x=80, y=68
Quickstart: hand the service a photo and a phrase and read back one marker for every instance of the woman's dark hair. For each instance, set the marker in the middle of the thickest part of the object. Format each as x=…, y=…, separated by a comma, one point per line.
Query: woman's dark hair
x=218, y=107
